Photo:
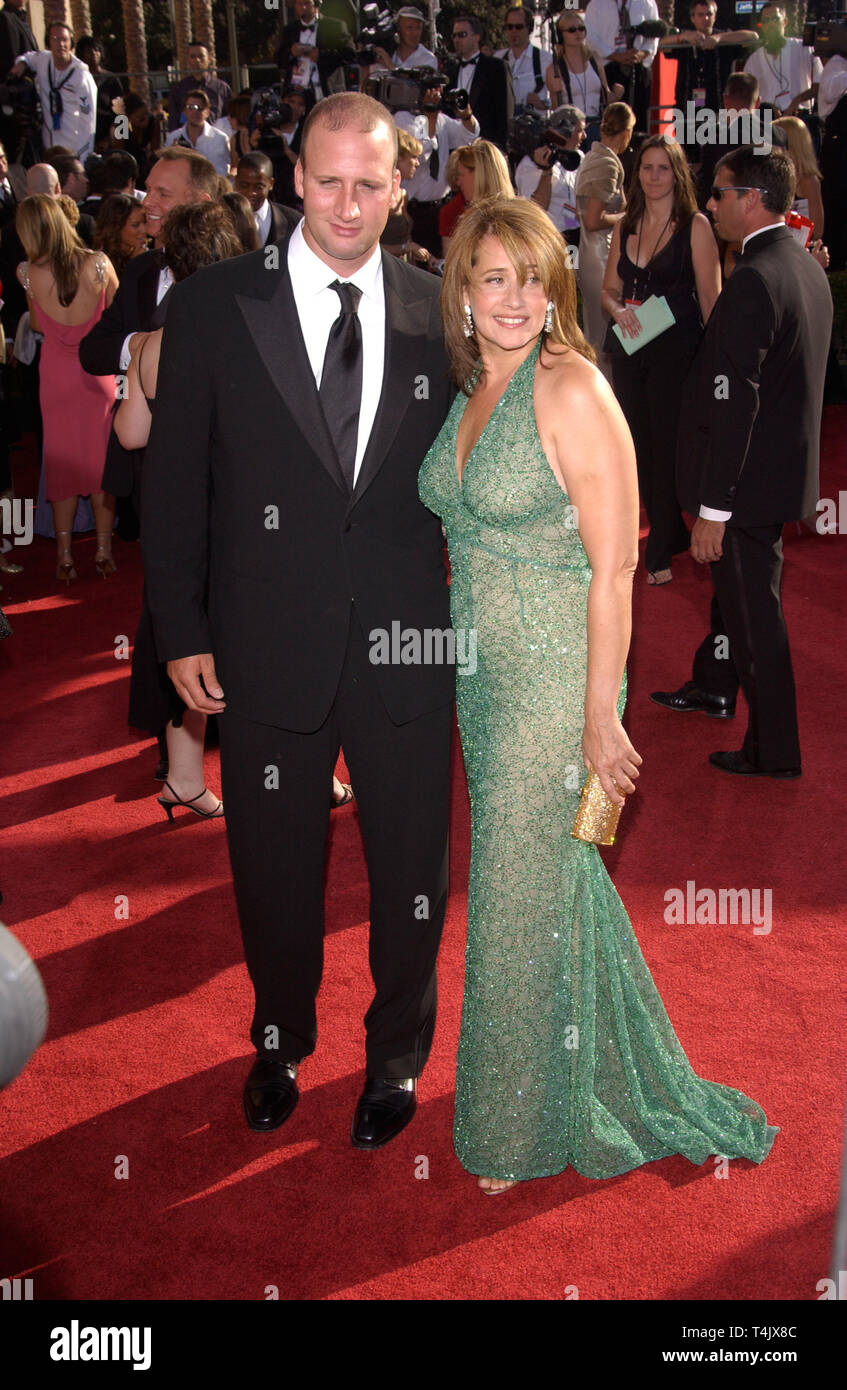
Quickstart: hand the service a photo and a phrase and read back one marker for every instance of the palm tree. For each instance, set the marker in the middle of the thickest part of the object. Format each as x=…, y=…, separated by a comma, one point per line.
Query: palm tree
x=81, y=17
x=56, y=12
x=135, y=40
x=182, y=24
x=204, y=26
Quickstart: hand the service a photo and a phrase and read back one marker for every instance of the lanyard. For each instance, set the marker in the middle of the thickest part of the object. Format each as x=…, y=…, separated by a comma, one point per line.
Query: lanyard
x=643, y=272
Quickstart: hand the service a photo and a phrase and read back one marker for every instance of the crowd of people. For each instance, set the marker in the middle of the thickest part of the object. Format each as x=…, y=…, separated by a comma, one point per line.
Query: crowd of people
x=130, y=292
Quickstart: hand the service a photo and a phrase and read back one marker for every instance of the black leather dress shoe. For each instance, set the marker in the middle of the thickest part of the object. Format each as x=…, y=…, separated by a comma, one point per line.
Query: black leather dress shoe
x=270, y=1094
x=690, y=699
x=736, y=762
x=385, y=1107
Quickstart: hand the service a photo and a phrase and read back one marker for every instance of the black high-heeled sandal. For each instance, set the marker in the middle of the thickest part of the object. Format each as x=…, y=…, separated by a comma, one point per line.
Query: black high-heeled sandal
x=168, y=805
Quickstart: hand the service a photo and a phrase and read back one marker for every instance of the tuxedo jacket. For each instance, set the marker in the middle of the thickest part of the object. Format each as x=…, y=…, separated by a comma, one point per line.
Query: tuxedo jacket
x=254, y=548
x=332, y=39
x=750, y=414
x=131, y=311
x=492, y=97
x=16, y=38
x=283, y=221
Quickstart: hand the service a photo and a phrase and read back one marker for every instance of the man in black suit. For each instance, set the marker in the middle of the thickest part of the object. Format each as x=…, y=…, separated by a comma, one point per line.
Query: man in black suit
x=16, y=37
x=487, y=80
x=748, y=456
x=179, y=176
x=312, y=47
x=298, y=394
x=254, y=179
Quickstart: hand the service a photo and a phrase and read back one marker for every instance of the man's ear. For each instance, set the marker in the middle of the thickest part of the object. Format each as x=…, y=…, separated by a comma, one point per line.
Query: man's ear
x=298, y=178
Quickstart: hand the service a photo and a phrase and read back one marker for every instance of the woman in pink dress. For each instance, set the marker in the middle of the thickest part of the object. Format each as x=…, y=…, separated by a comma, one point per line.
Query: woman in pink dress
x=67, y=289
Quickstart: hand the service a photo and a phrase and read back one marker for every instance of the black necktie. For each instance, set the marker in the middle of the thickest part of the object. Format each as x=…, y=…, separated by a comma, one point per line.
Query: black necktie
x=434, y=163
x=341, y=378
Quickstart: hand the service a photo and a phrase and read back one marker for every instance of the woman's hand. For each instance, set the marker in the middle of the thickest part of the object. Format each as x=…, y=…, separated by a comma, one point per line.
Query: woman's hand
x=627, y=320
x=820, y=253
x=606, y=748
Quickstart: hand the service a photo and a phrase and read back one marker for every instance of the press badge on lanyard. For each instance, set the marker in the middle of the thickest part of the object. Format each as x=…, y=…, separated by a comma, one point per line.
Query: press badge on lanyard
x=699, y=97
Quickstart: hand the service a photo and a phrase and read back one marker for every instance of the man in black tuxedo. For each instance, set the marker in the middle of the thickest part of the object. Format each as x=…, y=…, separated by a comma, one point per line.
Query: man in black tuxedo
x=298, y=394
x=487, y=80
x=748, y=456
x=179, y=176
x=311, y=48
x=254, y=179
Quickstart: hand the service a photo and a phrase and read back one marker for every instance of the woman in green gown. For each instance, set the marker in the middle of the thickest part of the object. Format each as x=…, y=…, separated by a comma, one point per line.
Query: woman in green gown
x=566, y=1054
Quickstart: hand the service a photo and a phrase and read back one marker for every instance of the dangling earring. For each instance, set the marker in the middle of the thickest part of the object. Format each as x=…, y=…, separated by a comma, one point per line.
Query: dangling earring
x=548, y=317
x=468, y=325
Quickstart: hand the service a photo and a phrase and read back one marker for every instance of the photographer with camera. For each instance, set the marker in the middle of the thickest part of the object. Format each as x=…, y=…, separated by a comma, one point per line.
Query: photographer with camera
x=439, y=134
x=487, y=81
x=408, y=50
x=548, y=174
x=626, y=36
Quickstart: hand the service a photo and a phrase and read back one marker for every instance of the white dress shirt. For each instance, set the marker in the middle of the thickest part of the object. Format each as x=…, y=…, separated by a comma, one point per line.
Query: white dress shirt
x=602, y=23
x=833, y=85
x=305, y=72
x=523, y=71
x=449, y=135
x=467, y=72
x=318, y=307
x=210, y=142
x=712, y=513
x=263, y=221
x=784, y=75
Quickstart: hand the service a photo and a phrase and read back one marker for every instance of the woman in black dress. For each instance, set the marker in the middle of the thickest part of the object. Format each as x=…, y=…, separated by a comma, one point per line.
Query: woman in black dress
x=662, y=246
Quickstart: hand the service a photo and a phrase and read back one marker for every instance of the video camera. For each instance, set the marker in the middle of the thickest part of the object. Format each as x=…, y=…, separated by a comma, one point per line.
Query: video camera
x=405, y=88
x=529, y=132
x=379, y=32
x=274, y=112
x=827, y=37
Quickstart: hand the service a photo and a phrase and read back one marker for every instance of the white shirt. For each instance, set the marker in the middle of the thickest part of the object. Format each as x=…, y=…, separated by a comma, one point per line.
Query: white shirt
x=523, y=71
x=712, y=513
x=318, y=307
x=79, y=102
x=602, y=23
x=562, y=206
x=833, y=85
x=210, y=142
x=449, y=135
x=162, y=286
x=421, y=58
x=783, y=75
x=586, y=90
x=263, y=221
x=467, y=72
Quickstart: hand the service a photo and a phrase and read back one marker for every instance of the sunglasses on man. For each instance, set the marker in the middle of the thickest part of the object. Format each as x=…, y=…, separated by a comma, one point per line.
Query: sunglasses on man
x=717, y=193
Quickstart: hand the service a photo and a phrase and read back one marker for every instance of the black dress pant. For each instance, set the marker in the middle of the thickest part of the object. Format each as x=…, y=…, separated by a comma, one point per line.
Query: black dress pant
x=648, y=386
x=277, y=843
x=748, y=643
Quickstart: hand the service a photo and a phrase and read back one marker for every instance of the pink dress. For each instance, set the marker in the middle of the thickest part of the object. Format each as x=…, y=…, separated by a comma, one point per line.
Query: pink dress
x=76, y=410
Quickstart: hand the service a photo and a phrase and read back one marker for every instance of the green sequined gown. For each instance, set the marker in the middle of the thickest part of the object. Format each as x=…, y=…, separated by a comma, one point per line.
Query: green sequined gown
x=566, y=1054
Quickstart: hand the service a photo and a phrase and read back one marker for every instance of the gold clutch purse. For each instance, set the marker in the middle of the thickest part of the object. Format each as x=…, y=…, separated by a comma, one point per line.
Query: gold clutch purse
x=597, y=817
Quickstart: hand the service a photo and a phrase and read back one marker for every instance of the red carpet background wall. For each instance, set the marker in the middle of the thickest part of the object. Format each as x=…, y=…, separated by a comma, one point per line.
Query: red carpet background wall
x=127, y=1170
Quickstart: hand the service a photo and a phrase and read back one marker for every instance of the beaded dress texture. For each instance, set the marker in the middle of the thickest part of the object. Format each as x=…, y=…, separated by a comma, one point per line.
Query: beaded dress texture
x=566, y=1054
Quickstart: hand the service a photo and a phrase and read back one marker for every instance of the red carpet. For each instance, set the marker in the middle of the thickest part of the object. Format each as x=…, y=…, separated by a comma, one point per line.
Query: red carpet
x=133, y=925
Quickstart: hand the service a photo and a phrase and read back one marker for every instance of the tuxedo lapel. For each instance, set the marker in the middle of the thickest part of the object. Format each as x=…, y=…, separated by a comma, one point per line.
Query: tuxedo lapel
x=148, y=286
x=406, y=324
x=271, y=316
